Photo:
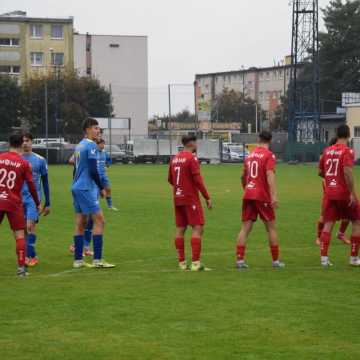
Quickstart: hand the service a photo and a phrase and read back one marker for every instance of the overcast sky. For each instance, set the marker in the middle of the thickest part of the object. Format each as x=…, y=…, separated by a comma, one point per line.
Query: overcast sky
x=185, y=36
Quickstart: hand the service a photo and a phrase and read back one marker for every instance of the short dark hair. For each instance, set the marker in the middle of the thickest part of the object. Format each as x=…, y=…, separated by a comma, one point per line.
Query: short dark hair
x=100, y=141
x=265, y=136
x=89, y=122
x=188, y=138
x=343, y=132
x=28, y=136
x=16, y=140
x=333, y=141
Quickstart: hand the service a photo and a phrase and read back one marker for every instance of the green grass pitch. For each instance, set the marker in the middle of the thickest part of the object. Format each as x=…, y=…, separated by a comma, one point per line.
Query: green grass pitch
x=145, y=309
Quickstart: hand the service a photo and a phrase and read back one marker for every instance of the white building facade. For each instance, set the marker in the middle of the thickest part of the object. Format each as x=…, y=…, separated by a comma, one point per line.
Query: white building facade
x=122, y=63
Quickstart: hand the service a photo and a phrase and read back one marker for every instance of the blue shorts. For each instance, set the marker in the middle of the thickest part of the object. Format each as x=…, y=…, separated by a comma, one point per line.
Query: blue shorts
x=86, y=202
x=30, y=210
x=105, y=182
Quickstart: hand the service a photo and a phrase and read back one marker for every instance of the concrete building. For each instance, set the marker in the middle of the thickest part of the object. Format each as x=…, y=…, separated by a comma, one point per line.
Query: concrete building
x=122, y=62
x=264, y=85
x=34, y=46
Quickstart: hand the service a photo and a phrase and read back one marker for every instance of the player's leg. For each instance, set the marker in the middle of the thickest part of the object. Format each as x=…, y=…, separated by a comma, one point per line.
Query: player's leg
x=274, y=243
x=98, y=233
x=31, y=237
x=341, y=235
x=80, y=224
x=325, y=239
x=320, y=227
x=196, y=246
x=88, y=237
x=241, y=244
x=355, y=243
x=180, y=246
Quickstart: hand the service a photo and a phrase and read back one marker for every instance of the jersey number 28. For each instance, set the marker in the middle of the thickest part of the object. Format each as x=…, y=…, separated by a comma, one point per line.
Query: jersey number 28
x=7, y=179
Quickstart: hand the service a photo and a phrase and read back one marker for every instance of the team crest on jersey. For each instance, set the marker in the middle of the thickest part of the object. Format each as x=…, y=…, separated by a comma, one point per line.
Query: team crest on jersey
x=4, y=195
x=251, y=185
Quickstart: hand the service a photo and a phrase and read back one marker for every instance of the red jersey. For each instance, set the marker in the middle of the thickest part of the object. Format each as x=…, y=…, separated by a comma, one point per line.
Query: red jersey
x=185, y=177
x=14, y=171
x=335, y=158
x=255, y=182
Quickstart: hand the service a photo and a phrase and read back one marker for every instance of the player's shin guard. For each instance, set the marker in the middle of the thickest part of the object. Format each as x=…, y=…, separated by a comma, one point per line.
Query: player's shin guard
x=20, y=251
x=240, y=252
x=355, y=244
x=30, y=245
x=320, y=227
x=180, y=248
x=324, y=243
x=98, y=246
x=109, y=201
x=196, y=248
x=343, y=226
x=275, y=251
x=79, y=244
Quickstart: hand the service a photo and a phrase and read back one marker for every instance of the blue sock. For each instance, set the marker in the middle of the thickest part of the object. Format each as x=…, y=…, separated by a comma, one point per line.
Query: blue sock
x=109, y=201
x=98, y=245
x=31, y=240
x=79, y=244
x=87, y=238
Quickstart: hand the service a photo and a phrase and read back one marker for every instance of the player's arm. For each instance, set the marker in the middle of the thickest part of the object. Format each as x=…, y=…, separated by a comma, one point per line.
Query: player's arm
x=46, y=188
x=170, y=179
x=31, y=185
x=348, y=162
x=199, y=182
x=72, y=159
x=270, y=175
x=321, y=167
x=108, y=161
x=93, y=168
x=244, y=176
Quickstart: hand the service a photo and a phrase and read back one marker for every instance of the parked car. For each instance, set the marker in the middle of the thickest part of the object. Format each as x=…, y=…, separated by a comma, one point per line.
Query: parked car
x=117, y=154
x=234, y=152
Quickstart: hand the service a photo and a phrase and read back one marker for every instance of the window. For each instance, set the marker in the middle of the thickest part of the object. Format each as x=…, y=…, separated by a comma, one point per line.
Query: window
x=57, y=59
x=37, y=58
x=9, y=69
x=36, y=31
x=356, y=131
x=9, y=42
x=57, y=32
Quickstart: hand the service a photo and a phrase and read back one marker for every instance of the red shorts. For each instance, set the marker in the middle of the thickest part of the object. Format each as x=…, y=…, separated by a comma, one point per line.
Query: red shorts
x=335, y=210
x=16, y=219
x=189, y=215
x=251, y=209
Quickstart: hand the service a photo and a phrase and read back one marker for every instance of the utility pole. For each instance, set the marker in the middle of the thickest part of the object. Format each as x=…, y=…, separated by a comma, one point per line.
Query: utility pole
x=169, y=122
x=109, y=120
x=46, y=120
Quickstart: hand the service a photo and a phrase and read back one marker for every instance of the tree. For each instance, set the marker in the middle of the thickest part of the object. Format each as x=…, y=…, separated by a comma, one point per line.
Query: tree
x=280, y=119
x=234, y=106
x=70, y=100
x=10, y=103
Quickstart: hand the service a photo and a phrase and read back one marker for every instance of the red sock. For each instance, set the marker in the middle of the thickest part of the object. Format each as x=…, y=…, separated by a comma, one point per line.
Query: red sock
x=355, y=244
x=320, y=227
x=20, y=251
x=180, y=247
x=275, y=252
x=343, y=226
x=196, y=248
x=324, y=243
x=240, y=252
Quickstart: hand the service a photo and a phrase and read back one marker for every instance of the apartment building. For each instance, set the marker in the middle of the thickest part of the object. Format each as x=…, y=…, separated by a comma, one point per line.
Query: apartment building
x=264, y=85
x=122, y=63
x=34, y=46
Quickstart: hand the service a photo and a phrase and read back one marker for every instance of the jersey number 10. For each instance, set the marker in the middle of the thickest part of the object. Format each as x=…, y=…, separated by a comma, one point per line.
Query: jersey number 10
x=253, y=169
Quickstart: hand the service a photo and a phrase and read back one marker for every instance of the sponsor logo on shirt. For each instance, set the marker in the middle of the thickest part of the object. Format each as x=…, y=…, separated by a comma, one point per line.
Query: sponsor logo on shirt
x=251, y=185
x=4, y=195
x=333, y=183
x=179, y=192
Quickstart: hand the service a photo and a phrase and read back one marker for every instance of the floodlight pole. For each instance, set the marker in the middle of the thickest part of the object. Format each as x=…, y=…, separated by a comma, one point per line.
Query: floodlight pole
x=169, y=122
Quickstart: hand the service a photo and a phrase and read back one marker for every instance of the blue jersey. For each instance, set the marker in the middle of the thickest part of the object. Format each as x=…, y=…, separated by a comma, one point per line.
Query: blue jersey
x=39, y=169
x=84, y=151
x=103, y=162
